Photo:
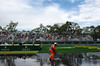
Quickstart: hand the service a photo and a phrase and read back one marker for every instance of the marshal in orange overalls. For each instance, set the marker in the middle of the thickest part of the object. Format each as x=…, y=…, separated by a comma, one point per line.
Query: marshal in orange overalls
x=52, y=51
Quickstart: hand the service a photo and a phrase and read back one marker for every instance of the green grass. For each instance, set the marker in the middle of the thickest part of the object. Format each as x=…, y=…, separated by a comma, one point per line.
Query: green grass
x=71, y=49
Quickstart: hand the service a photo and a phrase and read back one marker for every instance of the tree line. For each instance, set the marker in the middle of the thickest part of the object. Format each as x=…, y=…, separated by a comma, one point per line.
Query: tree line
x=69, y=28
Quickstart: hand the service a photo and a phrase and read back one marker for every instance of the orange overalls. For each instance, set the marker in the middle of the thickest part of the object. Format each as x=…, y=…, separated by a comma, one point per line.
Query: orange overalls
x=52, y=51
x=52, y=63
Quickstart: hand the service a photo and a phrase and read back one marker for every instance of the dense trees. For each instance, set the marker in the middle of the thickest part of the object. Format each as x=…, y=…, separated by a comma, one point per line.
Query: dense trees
x=69, y=28
x=12, y=26
x=9, y=28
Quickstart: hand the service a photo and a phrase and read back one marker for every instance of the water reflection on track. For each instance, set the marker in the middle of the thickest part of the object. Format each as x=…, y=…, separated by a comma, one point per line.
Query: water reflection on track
x=61, y=59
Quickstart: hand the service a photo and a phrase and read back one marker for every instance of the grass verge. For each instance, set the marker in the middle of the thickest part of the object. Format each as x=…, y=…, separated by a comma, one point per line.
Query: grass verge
x=72, y=49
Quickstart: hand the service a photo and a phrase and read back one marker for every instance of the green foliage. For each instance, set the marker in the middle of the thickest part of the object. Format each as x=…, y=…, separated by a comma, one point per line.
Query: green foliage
x=69, y=28
x=9, y=28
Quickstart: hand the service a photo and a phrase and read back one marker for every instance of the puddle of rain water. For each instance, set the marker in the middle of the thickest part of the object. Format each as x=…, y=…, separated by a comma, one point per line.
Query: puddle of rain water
x=61, y=59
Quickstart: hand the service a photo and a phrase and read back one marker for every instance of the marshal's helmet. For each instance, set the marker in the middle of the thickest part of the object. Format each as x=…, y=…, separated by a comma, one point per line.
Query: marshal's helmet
x=55, y=44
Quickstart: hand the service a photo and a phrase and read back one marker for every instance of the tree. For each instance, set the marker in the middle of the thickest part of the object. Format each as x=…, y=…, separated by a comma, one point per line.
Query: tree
x=70, y=28
x=75, y=28
x=48, y=27
x=37, y=30
x=3, y=29
x=9, y=28
x=12, y=26
x=41, y=28
x=24, y=31
x=54, y=28
x=92, y=29
x=0, y=28
x=97, y=31
x=86, y=30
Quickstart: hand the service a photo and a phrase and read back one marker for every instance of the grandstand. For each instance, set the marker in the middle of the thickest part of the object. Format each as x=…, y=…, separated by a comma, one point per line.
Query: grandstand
x=30, y=37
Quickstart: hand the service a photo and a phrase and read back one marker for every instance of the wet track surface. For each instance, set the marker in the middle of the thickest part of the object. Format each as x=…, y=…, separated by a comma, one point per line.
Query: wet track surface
x=61, y=59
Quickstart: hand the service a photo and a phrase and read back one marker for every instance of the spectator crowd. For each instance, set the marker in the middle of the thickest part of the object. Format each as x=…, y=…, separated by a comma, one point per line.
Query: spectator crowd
x=24, y=37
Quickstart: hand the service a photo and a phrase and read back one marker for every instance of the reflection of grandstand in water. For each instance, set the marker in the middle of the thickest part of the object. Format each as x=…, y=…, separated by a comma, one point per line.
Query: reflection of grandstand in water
x=71, y=59
x=65, y=59
x=8, y=61
x=11, y=60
